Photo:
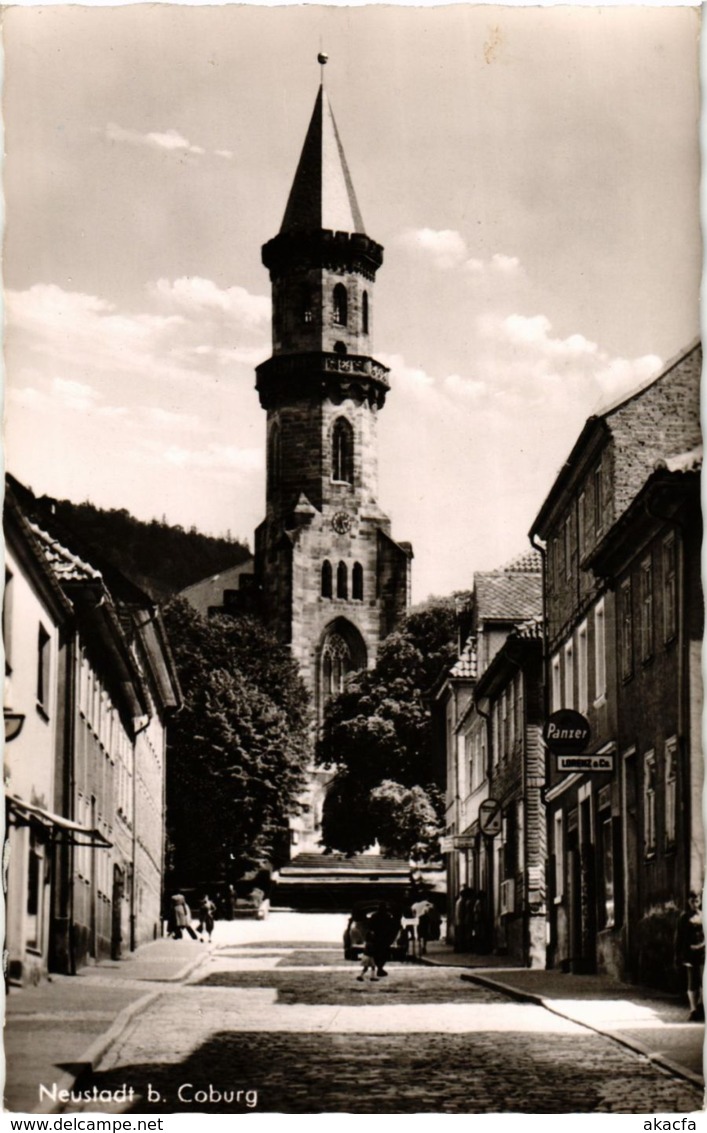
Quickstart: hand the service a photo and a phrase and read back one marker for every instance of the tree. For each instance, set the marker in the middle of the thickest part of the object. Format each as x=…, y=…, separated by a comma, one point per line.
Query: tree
x=377, y=733
x=236, y=751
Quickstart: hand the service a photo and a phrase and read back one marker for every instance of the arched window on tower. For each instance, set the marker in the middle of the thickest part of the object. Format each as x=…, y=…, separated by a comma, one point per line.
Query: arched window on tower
x=342, y=581
x=307, y=304
x=342, y=451
x=326, y=579
x=274, y=457
x=364, y=313
x=357, y=582
x=341, y=305
x=342, y=651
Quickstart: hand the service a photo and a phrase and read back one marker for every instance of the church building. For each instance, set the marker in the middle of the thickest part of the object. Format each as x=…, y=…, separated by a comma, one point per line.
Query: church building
x=332, y=581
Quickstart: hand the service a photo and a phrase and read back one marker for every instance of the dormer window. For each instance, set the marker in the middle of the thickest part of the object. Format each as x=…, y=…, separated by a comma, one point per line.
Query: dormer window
x=342, y=451
x=341, y=305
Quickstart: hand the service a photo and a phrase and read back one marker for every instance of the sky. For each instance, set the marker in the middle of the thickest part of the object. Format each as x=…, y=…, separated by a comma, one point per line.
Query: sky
x=533, y=176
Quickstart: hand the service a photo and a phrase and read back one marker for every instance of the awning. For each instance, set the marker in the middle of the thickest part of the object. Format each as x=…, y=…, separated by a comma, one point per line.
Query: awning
x=76, y=834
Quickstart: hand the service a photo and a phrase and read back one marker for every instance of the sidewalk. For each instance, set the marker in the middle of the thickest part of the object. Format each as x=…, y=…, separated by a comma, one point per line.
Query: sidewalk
x=56, y=1030
x=650, y=1022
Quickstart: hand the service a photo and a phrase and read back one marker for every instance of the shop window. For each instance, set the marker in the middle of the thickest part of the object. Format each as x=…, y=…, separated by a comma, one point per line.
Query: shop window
x=35, y=888
x=559, y=852
x=607, y=908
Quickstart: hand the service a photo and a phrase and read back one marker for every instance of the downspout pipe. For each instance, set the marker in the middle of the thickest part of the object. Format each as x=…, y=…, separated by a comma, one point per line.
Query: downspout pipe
x=133, y=871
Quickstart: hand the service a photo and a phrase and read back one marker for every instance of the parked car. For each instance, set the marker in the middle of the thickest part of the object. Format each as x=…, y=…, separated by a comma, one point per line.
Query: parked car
x=356, y=929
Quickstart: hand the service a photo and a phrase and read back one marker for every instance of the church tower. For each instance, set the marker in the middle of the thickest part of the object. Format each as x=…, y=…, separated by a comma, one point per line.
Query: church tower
x=333, y=583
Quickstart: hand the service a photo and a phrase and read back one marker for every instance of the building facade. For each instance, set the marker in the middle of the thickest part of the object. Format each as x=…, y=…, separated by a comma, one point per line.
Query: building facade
x=592, y=812
x=489, y=712
x=651, y=559
x=85, y=777
x=331, y=580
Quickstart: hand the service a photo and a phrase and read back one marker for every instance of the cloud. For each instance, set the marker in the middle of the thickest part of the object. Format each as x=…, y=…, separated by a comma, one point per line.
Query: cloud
x=192, y=293
x=226, y=154
x=447, y=250
x=155, y=139
x=445, y=247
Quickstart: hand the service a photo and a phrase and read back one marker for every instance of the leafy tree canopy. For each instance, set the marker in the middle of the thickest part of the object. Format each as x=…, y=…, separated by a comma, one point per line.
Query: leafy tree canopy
x=237, y=749
x=377, y=733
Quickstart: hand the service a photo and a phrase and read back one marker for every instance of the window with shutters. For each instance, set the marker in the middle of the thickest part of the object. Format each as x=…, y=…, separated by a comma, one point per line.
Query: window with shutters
x=599, y=651
x=556, y=684
x=646, y=608
x=582, y=668
x=43, y=669
x=598, y=479
x=569, y=675
x=649, y=808
x=671, y=752
x=669, y=588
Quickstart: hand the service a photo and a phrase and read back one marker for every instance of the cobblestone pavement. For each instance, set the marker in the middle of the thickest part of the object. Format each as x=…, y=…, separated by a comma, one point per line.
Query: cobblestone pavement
x=308, y=1038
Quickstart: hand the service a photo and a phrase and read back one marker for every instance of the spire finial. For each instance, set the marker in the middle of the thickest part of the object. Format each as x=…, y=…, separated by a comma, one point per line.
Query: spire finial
x=322, y=59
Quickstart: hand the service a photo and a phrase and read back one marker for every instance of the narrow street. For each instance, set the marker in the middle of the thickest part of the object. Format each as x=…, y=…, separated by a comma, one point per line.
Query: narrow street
x=274, y=1020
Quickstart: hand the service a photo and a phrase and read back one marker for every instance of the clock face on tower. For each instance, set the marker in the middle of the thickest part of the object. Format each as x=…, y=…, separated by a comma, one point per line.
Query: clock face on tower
x=341, y=522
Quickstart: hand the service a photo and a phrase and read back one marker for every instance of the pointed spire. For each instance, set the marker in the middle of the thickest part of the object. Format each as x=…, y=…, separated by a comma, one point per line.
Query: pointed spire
x=322, y=194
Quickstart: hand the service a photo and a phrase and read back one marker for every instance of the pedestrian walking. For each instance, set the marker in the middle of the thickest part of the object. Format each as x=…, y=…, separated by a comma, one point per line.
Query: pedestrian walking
x=182, y=917
x=690, y=954
x=463, y=910
x=207, y=910
x=478, y=924
x=427, y=923
x=368, y=958
x=385, y=928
